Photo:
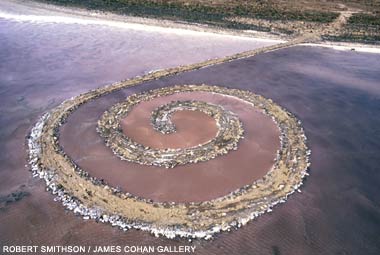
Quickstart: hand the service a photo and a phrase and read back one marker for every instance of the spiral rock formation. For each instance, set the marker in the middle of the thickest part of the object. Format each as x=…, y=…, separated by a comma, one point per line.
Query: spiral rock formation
x=94, y=198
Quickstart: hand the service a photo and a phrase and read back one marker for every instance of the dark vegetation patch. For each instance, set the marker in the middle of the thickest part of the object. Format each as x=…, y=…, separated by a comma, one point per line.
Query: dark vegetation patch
x=364, y=19
x=203, y=12
x=361, y=27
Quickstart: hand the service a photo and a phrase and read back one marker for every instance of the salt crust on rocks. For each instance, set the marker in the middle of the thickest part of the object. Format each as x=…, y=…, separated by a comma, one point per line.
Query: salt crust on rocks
x=230, y=131
x=94, y=199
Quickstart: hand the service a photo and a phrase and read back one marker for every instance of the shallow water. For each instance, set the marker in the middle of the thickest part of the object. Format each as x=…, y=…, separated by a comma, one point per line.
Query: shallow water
x=336, y=95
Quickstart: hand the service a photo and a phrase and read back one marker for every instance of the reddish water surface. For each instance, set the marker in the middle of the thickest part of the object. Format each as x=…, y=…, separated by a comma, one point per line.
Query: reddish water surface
x=187, y=183
x=192, y=127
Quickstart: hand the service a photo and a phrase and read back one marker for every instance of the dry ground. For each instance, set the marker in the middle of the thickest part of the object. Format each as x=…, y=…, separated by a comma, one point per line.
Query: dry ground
x=285, y=18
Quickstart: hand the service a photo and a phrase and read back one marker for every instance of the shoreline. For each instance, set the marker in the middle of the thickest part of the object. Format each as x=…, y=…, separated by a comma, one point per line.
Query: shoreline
x=116, y=20
x=72, y=15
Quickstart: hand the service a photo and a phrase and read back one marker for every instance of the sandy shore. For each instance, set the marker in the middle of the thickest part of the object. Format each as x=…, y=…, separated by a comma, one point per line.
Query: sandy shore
x=39, y=12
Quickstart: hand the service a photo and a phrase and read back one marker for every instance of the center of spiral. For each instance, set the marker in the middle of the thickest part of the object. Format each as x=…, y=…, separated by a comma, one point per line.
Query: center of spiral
x=162, y=122
x=229, y=133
